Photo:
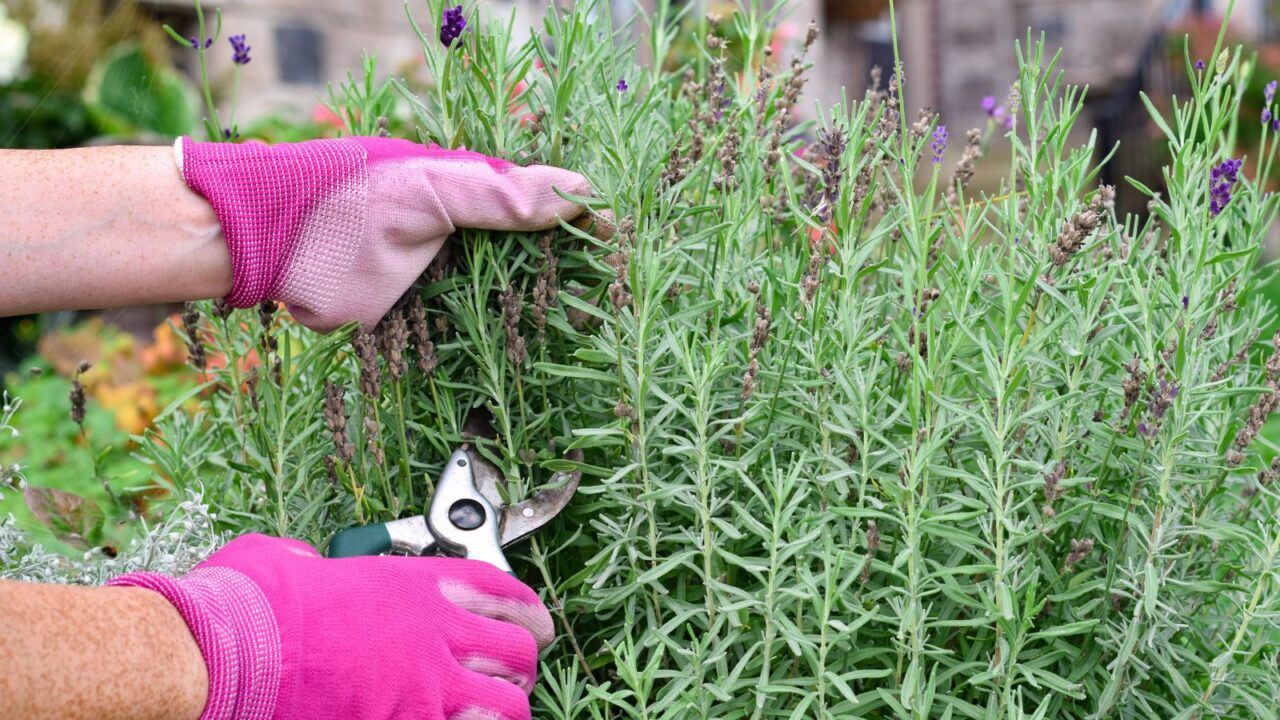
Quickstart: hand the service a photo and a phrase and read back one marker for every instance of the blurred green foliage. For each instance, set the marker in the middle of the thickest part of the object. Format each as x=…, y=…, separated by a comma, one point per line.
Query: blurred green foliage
x=129, y=94
x=127, y=386
x=34, y=116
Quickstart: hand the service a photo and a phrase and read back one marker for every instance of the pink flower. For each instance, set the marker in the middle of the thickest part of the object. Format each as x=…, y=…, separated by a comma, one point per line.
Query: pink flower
x=322, y=115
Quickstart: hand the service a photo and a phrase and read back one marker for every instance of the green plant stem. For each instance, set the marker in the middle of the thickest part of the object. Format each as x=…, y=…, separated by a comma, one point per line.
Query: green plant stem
x=402, y=435
x=540, y=562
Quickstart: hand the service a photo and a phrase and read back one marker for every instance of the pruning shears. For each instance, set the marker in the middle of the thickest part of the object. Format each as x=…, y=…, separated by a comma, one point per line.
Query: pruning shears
x=466, y=518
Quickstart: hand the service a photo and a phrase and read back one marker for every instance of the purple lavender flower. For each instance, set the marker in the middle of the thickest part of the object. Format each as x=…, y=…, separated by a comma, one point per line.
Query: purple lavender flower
x=195, y=42
x=1269, y=93
x=997, y=112
x=1200, y=65
x=239, y=50
x=1186, y=302
x=452, y=25
x=1221, y=179
x=623, y=86
x=1266, y=116
x=939, y=144
x=1275, y=123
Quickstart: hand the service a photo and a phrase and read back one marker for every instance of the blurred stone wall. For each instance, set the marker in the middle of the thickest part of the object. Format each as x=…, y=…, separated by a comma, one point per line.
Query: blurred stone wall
x=955, y=51
x=299, y=46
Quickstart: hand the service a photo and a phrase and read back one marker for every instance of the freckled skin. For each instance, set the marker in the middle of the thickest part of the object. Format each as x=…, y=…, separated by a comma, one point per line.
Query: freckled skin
x=101, y=228
x=104, y=227
x=104, y=653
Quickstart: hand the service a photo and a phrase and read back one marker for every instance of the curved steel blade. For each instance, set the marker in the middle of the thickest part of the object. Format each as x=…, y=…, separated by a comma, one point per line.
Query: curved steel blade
x=516, y=522
x=523, y=519
x=486, y=477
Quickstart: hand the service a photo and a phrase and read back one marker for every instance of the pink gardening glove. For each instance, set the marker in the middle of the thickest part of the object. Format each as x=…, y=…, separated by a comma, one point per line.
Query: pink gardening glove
x=339, y=229
x=286, y=633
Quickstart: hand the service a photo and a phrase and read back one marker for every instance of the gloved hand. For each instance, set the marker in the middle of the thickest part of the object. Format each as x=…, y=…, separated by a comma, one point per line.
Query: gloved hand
x=286, y=634
x=339, y=229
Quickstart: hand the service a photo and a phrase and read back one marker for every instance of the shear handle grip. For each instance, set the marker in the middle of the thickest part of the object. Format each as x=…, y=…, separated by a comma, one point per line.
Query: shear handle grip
x=373, y=539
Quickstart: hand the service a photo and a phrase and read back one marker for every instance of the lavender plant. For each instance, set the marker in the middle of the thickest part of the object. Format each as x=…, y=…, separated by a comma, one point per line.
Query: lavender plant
x=858, y=440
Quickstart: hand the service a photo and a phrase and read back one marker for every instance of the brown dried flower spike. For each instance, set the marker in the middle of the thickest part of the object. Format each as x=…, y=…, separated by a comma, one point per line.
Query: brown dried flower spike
x=77, y=394
x=511, y=302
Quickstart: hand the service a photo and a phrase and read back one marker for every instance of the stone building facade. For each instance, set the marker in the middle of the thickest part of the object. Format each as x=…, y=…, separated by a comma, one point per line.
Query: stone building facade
x=955, y=51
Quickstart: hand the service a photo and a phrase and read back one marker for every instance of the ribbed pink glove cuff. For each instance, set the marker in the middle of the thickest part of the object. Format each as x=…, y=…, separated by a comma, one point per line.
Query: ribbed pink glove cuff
x=236, y=631
x=275, y=202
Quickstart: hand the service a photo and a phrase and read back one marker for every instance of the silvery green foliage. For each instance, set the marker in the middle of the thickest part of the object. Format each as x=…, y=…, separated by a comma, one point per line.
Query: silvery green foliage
x=858, y=441
x=183, y=538
x=11, y=476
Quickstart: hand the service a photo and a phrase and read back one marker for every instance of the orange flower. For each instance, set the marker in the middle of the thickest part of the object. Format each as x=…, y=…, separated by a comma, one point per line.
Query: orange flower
x=134, y=405
x=167, y=353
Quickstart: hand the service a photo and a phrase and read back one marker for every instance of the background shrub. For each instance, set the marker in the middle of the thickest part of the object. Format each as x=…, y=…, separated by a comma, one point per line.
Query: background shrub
x=857, y=442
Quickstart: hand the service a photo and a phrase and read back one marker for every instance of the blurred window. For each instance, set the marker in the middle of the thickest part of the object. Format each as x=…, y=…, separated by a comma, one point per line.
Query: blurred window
x=299, y=53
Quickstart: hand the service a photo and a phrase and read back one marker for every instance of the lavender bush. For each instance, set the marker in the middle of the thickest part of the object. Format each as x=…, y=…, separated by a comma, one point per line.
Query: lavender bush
x=858, y=441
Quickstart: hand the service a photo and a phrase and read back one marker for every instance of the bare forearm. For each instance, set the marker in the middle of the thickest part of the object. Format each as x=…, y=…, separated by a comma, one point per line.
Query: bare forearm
x=104, y=227
x=77, y=652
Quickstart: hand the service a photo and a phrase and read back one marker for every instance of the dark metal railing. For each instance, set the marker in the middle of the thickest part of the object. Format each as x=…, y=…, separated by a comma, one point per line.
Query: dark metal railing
x=1160, y=72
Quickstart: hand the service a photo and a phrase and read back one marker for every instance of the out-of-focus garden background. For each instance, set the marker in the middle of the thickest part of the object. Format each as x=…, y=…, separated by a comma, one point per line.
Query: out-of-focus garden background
x=85, y=72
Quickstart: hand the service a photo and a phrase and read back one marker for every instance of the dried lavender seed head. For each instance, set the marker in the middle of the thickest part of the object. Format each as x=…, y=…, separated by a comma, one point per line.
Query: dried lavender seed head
x=195, y=344
x=749, y=379
x=335, y=419
x=251, y=385
x=873, y=546
x=395, y=340
x=77, y=401
x=924, y=121
x=811, y=279
x=965, y=169
x=1052, y=490
x=811, y=36
x=1080, y=549
x=512, y=302
x=1107, y=197
x=366, y=351
x=266, y=318
x=419, y=330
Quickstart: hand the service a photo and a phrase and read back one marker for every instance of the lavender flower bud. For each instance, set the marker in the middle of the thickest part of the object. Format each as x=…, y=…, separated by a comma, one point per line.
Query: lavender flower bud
x=452, y=25
x=240, y=50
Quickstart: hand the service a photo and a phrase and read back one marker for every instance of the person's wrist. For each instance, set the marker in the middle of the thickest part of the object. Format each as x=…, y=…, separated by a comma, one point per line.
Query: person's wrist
x=234, y=630
x=192, y=218
x=185, y=670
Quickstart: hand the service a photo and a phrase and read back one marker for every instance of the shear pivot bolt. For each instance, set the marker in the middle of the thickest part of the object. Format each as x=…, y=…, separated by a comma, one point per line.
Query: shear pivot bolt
x=466, y=514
